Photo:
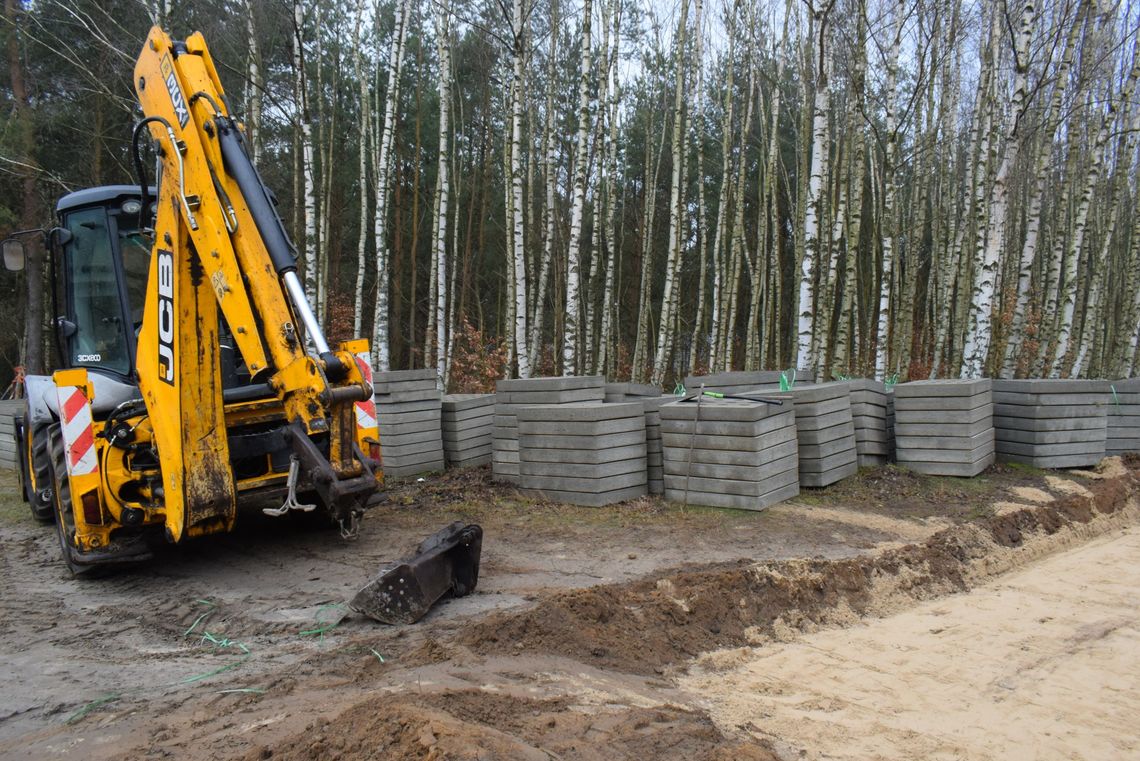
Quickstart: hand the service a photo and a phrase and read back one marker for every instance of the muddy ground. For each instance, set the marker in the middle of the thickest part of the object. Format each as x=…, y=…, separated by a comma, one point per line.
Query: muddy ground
x=640, y=631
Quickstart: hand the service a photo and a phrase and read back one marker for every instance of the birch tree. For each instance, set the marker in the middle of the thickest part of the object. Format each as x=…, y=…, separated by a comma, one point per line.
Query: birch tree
x=573, y=317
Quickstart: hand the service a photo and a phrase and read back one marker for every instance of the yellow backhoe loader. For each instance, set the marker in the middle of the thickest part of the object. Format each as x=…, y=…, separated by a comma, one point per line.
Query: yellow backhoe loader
x=194, y=373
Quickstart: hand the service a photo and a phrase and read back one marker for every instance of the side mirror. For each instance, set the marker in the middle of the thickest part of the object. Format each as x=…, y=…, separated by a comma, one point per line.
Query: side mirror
x=13, y=254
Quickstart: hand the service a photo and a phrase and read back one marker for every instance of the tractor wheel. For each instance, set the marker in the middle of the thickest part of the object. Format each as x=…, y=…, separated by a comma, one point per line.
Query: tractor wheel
x=35, y=471
x=64, y=517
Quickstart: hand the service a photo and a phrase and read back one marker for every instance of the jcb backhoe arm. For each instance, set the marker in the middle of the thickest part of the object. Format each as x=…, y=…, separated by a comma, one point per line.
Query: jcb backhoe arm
x=222, y=251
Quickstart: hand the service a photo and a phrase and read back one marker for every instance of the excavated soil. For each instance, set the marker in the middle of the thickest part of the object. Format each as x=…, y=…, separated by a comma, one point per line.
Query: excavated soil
x=580, y=643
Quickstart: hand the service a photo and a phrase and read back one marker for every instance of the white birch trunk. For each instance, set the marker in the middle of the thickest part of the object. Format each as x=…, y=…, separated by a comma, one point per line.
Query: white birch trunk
x=443, y=184
x=977, y=346
x=518, y=32
x=882, y=332
x=669, y=297
x=308, y=190
x=573, y=315
x=805, y=310
x=381, y=343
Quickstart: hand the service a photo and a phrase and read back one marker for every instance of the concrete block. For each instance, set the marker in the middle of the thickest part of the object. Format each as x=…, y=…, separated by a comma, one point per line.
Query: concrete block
x=865, y=409
x=577, y=413
x=726, y=428
x=961, y=470
x=825, y=449
x=872, y=448
x=910, y=456
x=583, y=484
x=932, y=388
x=686, y=440
x=1050, y=386
x=825, y=407
x=825, y=465
x=580, y=470
x=554, y=383
x=877, y=437
x=1123, y=409
x=467, y=438
x=729, y=410
x=467, y=426
x=777, y=451
x=943, y=403
x=407, y=439
x=736, y=502
x=943, y=429
x=414, y=470
x=819, y=422
x=1051, y=400
x=586, y=456
x=400, y=376
x=505, y=445
x=468, y=418
x=871, y=460
x=1097, y=435
x=1050, y=424
x=587, y=500
x=743, y=488
x=739, y=470
x=464, y=402
x=1042, y=450
x=430, y=416
x=402, y=397
x=584, y=428
x=734, y=379
x=568, y=396
x=398, y=450
x=945, y=442
x=936, y=417
x=1052, y=461
x=844, y=431
x=1127, y=384
x=829, y=477
x=632, y=389
x=541, y=441
x=1039, y=412
x=385, y=407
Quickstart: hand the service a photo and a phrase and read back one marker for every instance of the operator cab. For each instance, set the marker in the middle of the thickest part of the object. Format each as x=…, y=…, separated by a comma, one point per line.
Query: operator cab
x=102, y=264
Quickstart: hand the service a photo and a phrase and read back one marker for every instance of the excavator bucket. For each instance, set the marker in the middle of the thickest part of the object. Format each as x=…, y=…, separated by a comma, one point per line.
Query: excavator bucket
x=447, y=561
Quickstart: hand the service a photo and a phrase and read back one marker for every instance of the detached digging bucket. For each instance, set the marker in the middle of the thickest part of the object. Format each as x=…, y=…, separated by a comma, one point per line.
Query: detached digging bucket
x=447, y=561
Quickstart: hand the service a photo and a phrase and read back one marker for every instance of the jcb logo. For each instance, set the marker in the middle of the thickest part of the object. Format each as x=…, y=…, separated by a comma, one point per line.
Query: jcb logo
x=175, y=91
x=166, y=316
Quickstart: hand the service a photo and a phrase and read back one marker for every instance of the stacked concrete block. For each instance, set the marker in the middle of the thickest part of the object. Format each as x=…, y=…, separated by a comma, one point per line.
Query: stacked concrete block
x=944, y=427
x=1124, y=417
x=1051, y=423
x=466, y=422
x=872, y=410
x=826, y=433
x=408, y=404
x=730, y=452
x=651, y=400
x=624, y=392
x=520, y=392
x=10, y=412
x=735, y=382
x=589, y=453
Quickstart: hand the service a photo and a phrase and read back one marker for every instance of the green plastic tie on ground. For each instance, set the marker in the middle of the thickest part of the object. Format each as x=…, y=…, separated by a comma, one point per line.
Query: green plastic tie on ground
x=679, y=389
x=373, y=651
x=891, y=380
x=89, y=707
x=714, y=394
x=252, y=690
x=1115, y=398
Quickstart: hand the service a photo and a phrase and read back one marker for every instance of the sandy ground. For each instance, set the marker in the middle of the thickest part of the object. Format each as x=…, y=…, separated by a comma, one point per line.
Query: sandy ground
x=1043, y=663
x=598, y=634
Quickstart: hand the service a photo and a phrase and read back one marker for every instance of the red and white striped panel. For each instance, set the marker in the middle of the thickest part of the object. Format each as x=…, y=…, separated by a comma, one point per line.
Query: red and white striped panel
x=78, y=436
x=366, y=410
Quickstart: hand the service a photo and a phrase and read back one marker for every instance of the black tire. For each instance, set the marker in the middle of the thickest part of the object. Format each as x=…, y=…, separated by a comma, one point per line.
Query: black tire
x=64, y=517
x=35, y=470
